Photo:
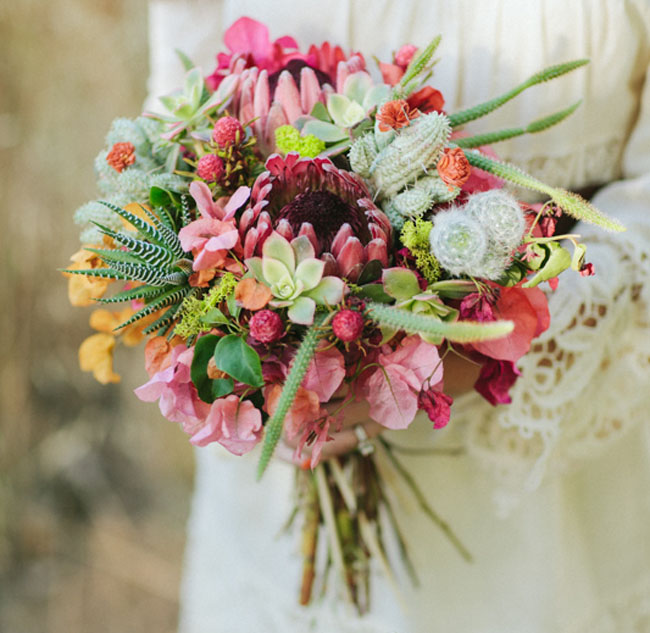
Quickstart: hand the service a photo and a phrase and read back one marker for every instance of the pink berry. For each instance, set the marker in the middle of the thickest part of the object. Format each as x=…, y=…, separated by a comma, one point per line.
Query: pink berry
x=347, y=325
x=228, y=131
x=266, y=326
x=210, y=168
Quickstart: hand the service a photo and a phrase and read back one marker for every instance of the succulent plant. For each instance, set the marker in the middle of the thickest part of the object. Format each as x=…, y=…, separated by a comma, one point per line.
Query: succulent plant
x=295, y=277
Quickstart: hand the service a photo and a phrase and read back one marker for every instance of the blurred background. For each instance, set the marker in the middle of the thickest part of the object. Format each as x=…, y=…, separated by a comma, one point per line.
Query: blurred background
x=94, y=485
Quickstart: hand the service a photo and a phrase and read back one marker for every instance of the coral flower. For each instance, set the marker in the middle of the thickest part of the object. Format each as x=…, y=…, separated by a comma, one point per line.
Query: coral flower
x=332, y=207
x=395, y=114
x=122, y=155
x=453, y=167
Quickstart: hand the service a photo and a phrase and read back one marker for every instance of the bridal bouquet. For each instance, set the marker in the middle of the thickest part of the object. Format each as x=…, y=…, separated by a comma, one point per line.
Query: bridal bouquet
x=293, y=234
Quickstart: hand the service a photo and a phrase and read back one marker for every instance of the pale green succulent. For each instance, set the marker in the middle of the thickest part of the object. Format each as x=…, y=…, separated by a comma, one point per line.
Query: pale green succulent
x=346, y=110
x=295, y=277
x=402, y=285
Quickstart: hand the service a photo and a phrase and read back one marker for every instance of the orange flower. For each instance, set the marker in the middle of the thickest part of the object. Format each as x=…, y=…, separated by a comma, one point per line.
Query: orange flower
x=395, y=114
x=453, y=167
x=121, y=155
x=158, y=353
x=82, y=290
x=96, y=355
x=251, y=294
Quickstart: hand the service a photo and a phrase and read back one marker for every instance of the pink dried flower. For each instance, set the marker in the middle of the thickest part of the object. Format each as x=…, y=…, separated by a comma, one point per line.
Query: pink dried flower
x=496, y=379
x=266, y=326
x=210, y=168
x=437, y=405
x=347, y=325
x=228, y=131
x=477, y=307
x=587, y=270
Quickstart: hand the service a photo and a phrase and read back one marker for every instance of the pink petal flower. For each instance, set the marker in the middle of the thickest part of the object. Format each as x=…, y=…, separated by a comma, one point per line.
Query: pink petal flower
x=209, y=240
x=496, y=379
x=392, y=392
x=236, y=425
x=304, y=410
x=437, y=405
x=177, y=396
x=316, y=434
x=325, y=372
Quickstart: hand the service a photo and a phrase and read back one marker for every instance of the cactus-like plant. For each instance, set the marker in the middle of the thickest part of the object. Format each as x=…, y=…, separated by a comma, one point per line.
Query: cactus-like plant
x=414, y=150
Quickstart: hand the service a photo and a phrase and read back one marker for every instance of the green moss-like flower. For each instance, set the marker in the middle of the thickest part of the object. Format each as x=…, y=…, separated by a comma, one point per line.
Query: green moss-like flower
x=193, y=310
x=288, y=139
x=415, y=236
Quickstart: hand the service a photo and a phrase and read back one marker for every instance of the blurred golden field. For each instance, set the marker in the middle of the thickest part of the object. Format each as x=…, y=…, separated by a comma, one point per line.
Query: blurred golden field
x=94, y=485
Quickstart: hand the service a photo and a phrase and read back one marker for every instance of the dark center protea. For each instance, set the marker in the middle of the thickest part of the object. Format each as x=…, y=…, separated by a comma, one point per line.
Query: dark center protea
x=294, y=67
x=326, y=212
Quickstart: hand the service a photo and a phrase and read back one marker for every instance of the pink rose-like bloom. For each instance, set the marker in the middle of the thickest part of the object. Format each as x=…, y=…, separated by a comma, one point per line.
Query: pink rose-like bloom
x=496, y=379
x=437, y=405
x=236, y=425
x=392, y=390
x=178, y=398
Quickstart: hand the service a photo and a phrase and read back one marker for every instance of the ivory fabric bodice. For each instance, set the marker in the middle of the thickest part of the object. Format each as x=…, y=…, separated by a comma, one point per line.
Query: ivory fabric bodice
x=567, y=465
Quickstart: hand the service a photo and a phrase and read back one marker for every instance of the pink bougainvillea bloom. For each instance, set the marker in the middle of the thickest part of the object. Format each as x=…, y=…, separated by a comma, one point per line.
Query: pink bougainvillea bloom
x=528, y=309
x=209, y=209
x=209, y=241
x=315, y=434
x=392, y=390
x=305, y=409
x=437, y=405
x=177, y=396
x=496, y=379
x=235, y=424
x=325, y=372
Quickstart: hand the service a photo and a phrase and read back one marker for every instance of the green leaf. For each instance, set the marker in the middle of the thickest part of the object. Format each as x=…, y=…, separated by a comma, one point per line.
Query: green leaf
x=319, y=111
x=239, y=360
x=222, y=387
x=327, y=132
x=159, y=197
x=578, y=258
x=371, y=272
x=203, y=351
x=188, y=64
x=215, y=317
x=400, y=283
x=375, y=292
x=558, y=261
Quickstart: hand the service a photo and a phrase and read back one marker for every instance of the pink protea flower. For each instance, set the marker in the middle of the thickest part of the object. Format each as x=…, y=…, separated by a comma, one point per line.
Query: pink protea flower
x=228, y=131
x=347, y=325
x=332, y=207
x=210, y=168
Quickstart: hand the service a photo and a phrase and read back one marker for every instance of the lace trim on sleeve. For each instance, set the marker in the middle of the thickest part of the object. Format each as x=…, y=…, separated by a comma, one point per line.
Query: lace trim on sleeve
x=585, y=380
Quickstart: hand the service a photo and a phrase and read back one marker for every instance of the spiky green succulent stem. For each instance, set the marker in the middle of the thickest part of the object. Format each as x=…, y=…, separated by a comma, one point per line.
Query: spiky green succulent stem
x=299, y=366
x=502, y=135
x=476, y=112
x=458, y=332
x=419, y=63
x=571, y=203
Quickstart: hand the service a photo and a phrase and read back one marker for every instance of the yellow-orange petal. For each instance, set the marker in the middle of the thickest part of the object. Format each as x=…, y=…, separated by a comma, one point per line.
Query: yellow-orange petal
x=251, y=294
x=96, y=355
x=82, y=291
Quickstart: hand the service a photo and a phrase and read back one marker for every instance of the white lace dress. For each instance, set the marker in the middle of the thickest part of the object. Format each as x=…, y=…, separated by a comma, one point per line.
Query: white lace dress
x=552, y=493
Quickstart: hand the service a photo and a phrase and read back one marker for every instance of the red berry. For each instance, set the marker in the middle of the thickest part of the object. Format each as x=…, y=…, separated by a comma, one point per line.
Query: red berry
x=347, y=325
x=228, y=131
x=266, y=326
x=210, y=168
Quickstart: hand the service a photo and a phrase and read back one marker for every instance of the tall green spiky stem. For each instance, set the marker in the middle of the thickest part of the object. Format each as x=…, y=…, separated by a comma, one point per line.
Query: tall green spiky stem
x=297, y=372
x=459, y=332
x=476, y=112
x=502, y=135
x=419, y=63
x=571, y=203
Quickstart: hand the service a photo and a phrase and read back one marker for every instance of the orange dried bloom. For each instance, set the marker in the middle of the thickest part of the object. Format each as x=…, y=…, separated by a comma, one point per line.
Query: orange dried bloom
x=251, y=294
x=396, y=114
x=453, y=167
x=121, y=155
